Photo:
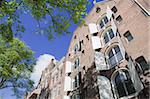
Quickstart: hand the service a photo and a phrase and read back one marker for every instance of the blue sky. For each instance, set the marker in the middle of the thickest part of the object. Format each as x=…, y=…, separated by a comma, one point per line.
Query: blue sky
x=41, y=45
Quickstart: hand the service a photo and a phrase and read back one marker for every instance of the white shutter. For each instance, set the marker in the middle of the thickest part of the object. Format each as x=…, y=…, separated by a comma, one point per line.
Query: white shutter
x=93, y=28
x=134, y=76
x=68, y=66
x=96, y=42
x=104, y=87
x=109, y=13
x=66, y=97
x=114, y=27
x=100, y=61
x=67, y=84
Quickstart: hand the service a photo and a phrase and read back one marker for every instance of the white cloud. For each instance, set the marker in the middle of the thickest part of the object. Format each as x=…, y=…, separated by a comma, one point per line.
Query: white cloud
x=41, y=64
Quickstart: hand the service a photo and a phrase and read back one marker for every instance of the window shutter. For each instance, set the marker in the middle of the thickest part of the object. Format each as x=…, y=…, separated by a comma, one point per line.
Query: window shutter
x=109, y=13
x=100, y=61
x=93, y=28
x=134, y=76
x=96, y=42
x=67, y=86
x=66, y=97
x=68, y=67
x=114, y=27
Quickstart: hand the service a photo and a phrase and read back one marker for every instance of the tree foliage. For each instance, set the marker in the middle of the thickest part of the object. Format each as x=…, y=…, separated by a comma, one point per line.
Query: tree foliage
x=16, y=65
x=16, y=59
x=59, y=12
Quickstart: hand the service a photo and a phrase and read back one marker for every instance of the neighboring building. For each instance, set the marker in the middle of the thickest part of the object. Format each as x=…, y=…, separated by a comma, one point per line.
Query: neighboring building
x=50, y=85
x=108, y=56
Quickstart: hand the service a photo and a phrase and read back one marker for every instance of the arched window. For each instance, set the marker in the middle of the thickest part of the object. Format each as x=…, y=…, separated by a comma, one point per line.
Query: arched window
x=123, y=84
x=108, y=36
x=114, y=56
x=103, y=22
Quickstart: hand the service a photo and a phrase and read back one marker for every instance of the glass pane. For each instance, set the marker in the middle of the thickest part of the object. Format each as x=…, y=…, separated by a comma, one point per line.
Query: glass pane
x=111, y=33
x=120, y=89
x=101, y=24
x=105, y=20
x=112, y=61
x=116, y=49
x=111, y=53
x=106, y=38
x=119, y=56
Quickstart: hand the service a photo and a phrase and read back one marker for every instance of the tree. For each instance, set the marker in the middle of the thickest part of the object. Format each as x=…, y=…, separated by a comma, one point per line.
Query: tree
x=59, y=12
x=16, y=60
x=16, y=65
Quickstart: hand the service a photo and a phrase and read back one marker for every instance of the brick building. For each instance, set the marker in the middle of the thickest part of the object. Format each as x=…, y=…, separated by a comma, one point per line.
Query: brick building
x=108, y=56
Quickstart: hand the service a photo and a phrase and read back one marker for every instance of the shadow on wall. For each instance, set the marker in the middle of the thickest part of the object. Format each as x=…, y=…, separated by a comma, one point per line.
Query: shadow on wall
x=88, y=87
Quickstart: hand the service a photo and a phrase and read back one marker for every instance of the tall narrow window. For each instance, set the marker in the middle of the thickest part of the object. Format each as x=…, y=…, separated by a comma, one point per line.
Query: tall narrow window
x=128, y=36
x=76, y=63
x=115, y=56
x=75, y=48
x=142, y=62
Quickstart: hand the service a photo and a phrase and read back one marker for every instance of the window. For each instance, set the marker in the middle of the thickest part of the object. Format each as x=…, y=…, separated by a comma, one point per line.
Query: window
x=98, y=9
x=77, y=80
x=114, y=56
x=75, y=48
x=142, y=62
x=76, y=63
x=124, y=84
x=114, y=9
x=128, y=36
x=108, y=36
x=119, y=18
x=103, y=22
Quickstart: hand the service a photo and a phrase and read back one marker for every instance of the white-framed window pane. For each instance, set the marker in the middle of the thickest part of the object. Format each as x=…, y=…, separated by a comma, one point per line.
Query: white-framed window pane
x=106, y=38
x=112, y=61
x=105, y=20
x=111, y=33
